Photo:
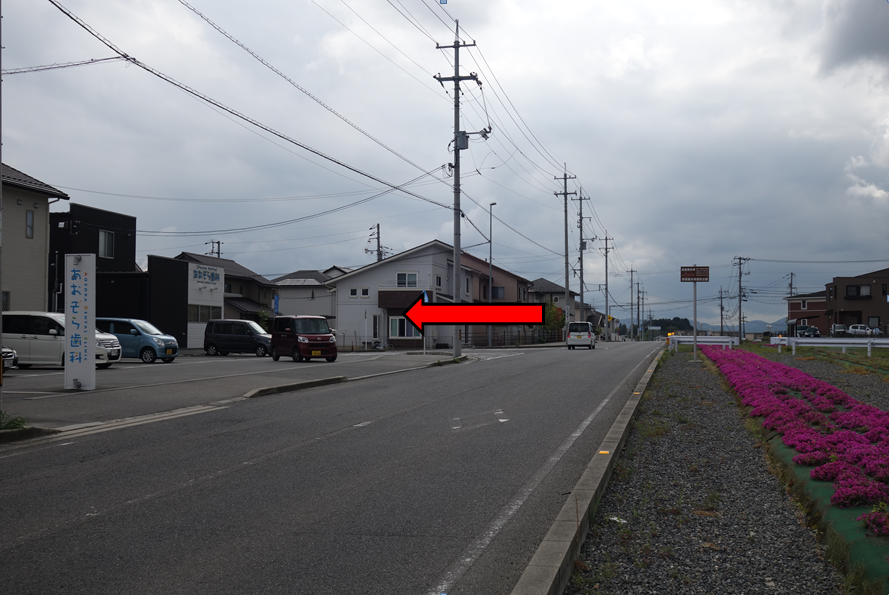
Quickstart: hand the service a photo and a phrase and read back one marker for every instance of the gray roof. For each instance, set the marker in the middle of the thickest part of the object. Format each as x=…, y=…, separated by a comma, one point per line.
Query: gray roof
x=14, y=177
x=546, y=286
x=246, y=305
x=300, y=283
x=305, y=274
x=232, y=269
x=806, y=296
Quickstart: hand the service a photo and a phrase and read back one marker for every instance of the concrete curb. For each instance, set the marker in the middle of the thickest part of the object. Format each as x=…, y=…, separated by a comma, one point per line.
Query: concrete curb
x=550, y=569
x=286, y=388
x=25, y=433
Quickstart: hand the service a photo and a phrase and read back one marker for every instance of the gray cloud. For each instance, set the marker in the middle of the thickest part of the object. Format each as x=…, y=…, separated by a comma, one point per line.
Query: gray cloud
x=856, y=31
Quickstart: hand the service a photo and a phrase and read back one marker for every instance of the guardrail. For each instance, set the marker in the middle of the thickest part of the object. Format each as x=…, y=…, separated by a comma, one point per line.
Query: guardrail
x=675, y=340
x=792, y=342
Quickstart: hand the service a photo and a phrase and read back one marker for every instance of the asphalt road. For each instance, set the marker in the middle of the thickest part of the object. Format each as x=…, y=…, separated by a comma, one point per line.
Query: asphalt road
x=440, y=480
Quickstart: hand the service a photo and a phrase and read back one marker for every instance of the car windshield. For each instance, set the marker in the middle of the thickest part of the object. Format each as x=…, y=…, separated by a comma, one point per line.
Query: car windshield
x=147, y=327
x=311, y=326
x=258, y=330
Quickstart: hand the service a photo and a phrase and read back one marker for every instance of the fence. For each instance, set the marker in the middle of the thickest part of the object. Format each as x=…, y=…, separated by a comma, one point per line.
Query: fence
x=792, y=342
x=675, y=340
x=506, y=337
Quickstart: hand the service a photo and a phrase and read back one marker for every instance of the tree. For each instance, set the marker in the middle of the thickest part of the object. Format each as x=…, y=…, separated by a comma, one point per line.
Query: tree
x=553, y=319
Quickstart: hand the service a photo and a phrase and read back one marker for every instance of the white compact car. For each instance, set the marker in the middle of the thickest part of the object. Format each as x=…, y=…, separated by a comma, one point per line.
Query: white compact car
x=581, y=334
x=39, y=339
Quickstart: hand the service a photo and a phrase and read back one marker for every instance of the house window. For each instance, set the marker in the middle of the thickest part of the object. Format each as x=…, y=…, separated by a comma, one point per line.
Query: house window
x=365, y=292
x=353, y=292
x=401, y=327
x=803, y=321
x=804, y=305
x=555, y=299
x=29, y=224
x=854, y=291
x=376, y=326
x=498, y=293
x=227, y=287
x=884, y=289
x=830, y=294
x=406, y=279
x=197, y=313
x=467, y=285
x=106, y=244
x=6, y=307
x=438, y=283
x=484, y=290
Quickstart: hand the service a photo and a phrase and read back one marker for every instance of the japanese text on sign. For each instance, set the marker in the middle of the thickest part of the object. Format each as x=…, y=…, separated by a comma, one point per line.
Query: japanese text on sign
x=694, y=274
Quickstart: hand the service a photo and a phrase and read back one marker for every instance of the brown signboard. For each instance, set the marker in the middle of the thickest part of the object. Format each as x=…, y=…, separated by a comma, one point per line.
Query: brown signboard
x=695, y=274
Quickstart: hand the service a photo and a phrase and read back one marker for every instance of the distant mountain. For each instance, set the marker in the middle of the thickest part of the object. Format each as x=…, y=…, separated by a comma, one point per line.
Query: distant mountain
x=751, y=326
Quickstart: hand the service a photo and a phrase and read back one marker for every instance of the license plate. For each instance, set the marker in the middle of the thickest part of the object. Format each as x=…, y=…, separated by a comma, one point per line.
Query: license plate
x=169, y=351
x=316, y=353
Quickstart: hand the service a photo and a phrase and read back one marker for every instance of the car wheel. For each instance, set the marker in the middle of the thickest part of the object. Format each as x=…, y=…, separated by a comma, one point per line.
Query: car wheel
x=260, y=351
x=331, y=359
x=103, y=366
x=211, y=349
x=295, y=355
x=25, y=366
x=148, y=355
x=168, y=360
x=275, y=355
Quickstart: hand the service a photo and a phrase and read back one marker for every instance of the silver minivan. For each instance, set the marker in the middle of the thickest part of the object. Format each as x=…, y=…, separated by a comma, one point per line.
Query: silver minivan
x=39, y=339
x=581, y=334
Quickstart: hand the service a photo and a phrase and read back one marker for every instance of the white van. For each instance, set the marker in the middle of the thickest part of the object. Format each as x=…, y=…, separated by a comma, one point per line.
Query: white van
x=582, y=334
x=39, y=339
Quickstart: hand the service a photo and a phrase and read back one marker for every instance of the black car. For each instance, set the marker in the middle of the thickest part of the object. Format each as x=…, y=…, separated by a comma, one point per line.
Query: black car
x=222, y=337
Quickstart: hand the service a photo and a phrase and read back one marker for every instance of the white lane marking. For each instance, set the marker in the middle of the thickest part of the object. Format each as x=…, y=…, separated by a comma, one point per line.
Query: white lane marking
x=363, y=424
x=472, y=552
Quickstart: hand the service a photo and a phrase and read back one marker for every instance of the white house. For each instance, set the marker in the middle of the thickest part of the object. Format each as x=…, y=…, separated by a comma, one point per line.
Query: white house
x=370, y=302
x=304, y=292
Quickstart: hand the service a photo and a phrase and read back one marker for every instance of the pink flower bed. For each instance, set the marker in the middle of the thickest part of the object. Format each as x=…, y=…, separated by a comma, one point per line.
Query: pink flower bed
x=846, y=440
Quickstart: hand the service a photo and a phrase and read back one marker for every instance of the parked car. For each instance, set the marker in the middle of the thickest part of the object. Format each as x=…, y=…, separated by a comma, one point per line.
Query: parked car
x=302, y=338
x=139, y=338
x=803, y=330
x=222, y=337
x=859, y=330
x=837, y=329
x=10, y=358
x=39, y=339
x=581, y=334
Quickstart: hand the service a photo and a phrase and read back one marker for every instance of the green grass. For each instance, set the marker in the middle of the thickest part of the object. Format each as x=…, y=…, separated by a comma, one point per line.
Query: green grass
x=8, y=422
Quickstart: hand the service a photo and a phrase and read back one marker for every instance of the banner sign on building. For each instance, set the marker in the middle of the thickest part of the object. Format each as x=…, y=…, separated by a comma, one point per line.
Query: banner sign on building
x=695, y=274
x=80, y=324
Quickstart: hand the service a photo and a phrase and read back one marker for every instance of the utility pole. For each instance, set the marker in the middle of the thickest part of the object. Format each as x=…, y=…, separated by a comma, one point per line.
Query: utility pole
x=791, y=284
x=375, y=234
x=215, y=247
x=607, y=315
x=565, y=193
x=461, y=141
x=490, y=261
x=631, y=299
x=721, y=324
x=741, y=261
x=1, y=218
x=580, y=199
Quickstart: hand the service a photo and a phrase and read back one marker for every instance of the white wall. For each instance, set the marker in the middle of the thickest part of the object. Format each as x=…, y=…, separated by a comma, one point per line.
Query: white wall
x=205, y=288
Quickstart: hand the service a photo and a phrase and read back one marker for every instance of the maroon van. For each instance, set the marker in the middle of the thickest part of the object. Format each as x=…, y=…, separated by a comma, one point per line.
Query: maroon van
x=302, y=338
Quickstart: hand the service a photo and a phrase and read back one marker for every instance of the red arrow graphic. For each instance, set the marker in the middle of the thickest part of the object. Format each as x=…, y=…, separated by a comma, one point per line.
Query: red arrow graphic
x=421, y=314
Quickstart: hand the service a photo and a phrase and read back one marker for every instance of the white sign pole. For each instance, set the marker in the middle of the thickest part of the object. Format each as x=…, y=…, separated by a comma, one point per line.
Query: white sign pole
x=80, y=321
x=696, y=319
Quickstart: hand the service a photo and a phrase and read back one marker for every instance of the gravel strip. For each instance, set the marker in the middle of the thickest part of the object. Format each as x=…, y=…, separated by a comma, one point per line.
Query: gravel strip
x=691, y=506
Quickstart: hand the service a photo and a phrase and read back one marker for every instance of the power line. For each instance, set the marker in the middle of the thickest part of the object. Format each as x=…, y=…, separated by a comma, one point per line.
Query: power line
x=62, y=65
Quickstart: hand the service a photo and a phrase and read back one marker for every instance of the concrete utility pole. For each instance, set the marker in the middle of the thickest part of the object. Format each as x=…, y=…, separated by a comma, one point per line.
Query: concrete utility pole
x=580, y=199
x=721, y=324
x=490, y=260
x=215, y=248
x=607, y=315
x=461, y=141
x=1, y=217
x=565, y=177
x=740, y=298
x=631, y=302
x=639, y=309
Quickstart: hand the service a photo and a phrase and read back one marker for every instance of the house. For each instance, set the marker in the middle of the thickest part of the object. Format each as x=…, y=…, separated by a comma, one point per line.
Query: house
x=859, y=300
x=247, y=295
x=304, y=292
x=86, y=230
x=25, y=248
x=807, y=309
x=544, y=290
x=370, y=302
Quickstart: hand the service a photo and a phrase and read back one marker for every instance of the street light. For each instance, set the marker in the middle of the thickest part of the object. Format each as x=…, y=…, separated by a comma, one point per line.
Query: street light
x=490, y=259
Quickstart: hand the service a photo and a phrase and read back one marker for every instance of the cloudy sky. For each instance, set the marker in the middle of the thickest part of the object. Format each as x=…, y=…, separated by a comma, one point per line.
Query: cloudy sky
x=700, y=130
